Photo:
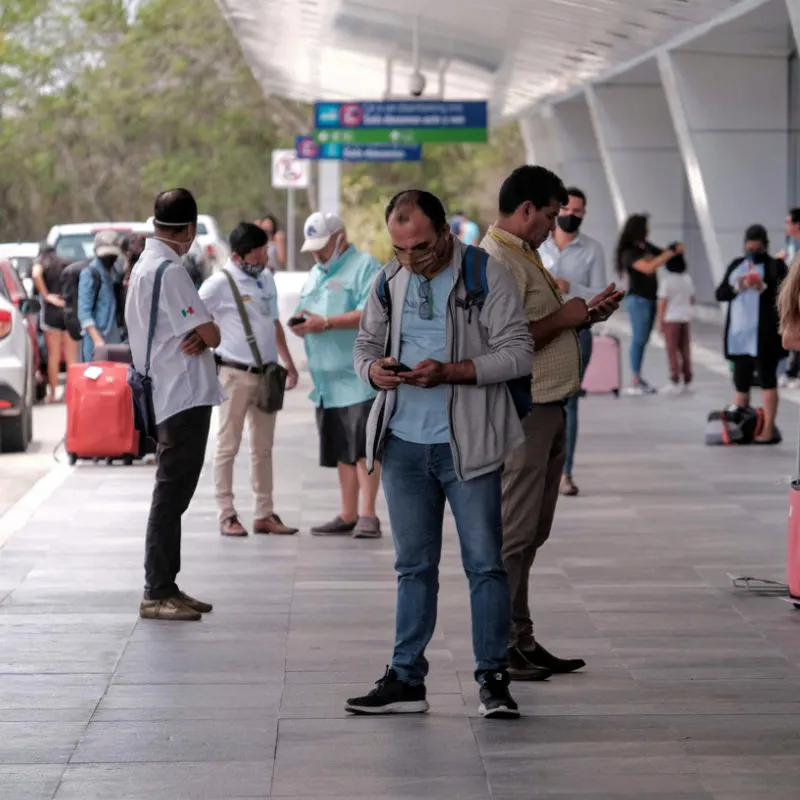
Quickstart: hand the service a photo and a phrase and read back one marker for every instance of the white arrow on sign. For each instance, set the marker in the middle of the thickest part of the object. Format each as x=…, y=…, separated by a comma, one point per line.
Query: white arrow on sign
x=289, y=171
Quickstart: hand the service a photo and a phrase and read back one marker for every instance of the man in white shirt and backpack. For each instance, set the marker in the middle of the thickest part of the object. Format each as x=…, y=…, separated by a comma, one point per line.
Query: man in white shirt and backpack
x=246, y=287
x=176, y=356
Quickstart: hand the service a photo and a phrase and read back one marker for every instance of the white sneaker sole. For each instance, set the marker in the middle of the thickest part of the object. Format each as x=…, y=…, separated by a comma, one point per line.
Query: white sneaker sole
x=407, y=707
x=501, y=712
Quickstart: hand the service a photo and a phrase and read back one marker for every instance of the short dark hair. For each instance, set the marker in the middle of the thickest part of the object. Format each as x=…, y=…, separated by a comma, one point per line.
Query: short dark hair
x=246, y=237
x=574, y=191
x=532, y=184
x=794, y=215
x=677, y=263
x=757, y=233
x=429, y=204
x=175, y=209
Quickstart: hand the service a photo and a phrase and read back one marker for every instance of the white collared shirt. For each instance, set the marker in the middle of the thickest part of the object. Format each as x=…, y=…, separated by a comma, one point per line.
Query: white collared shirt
x=261, y=303
x=180, y=382
x=582, y=263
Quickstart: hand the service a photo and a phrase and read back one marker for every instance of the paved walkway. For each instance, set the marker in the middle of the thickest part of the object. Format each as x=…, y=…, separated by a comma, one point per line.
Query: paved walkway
x=692, y=690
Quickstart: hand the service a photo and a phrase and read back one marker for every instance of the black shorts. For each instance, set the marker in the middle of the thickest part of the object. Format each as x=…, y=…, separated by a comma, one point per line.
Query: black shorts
x=744, y=367
x=343, y=434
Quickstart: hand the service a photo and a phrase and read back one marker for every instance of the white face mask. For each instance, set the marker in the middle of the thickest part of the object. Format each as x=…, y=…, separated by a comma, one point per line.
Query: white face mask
x=338, y=252
x=181, y=248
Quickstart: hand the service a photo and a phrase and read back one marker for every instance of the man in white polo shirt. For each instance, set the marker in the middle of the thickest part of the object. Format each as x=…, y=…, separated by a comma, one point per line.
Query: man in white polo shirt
x=241, y=376
x=185, y=388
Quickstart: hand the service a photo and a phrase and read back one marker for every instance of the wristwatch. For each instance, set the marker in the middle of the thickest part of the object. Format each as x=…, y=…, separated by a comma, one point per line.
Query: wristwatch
x=328, y=325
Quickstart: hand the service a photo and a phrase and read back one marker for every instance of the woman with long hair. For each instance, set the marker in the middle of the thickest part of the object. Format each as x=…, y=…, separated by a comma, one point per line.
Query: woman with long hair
x=276, y=247
x=638, y=261
x=47, y=279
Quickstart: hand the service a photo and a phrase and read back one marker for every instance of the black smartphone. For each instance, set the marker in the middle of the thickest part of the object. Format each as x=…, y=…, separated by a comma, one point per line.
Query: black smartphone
x=295, y=321
x=396, y=368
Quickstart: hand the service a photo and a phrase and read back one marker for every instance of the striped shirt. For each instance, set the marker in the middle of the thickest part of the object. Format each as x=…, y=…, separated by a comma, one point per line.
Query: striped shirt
x=556, y=366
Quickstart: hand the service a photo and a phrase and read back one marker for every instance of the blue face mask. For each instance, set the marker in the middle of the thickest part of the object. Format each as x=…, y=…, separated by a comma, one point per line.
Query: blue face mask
x=334, y=259
x=253, y=270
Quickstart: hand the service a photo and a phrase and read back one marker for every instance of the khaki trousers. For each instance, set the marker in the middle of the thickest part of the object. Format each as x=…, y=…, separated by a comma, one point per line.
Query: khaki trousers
x=530, y=482
x=241, y=389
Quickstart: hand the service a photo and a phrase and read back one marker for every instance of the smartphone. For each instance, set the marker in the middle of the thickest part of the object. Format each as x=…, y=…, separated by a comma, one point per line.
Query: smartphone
x=295, y=321
x=395, y=368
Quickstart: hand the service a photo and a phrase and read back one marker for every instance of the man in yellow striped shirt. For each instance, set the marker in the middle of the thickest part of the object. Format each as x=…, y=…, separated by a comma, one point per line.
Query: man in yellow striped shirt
x=530, y=200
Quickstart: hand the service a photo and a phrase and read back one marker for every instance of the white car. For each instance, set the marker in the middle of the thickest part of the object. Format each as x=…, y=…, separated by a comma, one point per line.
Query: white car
x=17, y=375
x=22, y=256
x=75, y=242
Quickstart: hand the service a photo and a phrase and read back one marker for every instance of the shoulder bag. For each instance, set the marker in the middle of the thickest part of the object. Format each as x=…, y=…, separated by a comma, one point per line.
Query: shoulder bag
x=272, y=384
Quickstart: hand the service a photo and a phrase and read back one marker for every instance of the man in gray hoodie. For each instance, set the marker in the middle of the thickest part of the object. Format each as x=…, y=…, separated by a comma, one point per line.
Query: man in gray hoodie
x=443, y=338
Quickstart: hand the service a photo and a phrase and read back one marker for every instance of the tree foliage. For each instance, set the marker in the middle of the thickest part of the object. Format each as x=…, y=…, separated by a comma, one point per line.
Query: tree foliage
x=101, y=108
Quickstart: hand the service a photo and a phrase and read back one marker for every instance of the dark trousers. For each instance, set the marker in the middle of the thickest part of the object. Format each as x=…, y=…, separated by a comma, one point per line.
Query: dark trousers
x=182, y=443
x=679, y=350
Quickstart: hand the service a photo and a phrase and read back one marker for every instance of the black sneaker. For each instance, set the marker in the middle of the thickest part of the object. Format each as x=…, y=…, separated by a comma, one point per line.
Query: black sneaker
x=496, y=700
x=540, y=657
x=390, y=696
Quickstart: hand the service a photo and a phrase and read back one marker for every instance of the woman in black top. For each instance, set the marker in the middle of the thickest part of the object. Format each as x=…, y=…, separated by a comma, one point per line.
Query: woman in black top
x=638, y=260
x=47, y=279
x=752, y=337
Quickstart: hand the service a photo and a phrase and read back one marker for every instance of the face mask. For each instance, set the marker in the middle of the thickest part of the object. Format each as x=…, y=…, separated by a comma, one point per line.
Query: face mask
x=421, y=262
x=757, y=258
x=253, y=270
x=338, y=252
x=569, y=223
x=181, y=248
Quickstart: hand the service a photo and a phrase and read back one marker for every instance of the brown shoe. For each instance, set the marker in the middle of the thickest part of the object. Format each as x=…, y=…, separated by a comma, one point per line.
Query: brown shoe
x=170, y=609
x=232, y=527
x=195, y=605
x=273, y=524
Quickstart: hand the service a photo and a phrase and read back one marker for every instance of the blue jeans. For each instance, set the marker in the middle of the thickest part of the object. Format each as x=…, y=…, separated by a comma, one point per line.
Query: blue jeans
x=642, y=314
x=417, y=479
x=585, y=340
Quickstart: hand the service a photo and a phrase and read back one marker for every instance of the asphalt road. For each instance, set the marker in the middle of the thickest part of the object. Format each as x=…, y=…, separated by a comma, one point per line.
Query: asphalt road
x=19, y=472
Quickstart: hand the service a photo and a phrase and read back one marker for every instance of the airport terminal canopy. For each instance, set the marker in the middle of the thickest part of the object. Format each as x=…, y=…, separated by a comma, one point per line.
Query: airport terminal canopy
x=513, y=53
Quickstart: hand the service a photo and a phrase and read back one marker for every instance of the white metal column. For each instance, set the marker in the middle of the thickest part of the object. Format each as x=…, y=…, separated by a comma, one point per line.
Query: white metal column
x=329, y=177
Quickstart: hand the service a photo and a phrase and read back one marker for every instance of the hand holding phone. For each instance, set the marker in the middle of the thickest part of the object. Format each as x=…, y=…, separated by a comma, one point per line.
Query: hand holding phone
x=396, y=368
x=295, y=321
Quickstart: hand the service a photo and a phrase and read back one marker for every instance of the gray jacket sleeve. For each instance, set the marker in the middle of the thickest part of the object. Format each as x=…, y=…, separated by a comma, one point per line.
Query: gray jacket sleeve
x=510, y=344
x=371, y=338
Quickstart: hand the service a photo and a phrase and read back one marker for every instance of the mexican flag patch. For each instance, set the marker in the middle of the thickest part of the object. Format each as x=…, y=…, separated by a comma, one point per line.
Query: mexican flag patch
x=187, y=312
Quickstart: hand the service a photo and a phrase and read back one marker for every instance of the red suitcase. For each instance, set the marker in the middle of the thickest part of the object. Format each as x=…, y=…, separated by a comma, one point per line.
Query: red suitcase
x=100, y=413
x=793, y=548
x=604, y=371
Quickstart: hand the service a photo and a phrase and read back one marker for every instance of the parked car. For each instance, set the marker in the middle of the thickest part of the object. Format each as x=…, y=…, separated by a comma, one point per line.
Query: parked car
x=17, y=374
x=12, y=288
x=75, y=242
x=22, y=256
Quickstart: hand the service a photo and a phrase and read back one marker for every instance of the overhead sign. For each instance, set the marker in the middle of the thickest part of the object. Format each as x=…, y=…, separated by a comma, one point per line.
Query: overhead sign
x=289, y=171
x=307, y=148
x=405, y=122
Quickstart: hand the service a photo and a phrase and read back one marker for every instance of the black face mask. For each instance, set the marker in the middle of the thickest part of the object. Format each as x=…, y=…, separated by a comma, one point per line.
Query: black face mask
x=757, y=257
x=569, y=223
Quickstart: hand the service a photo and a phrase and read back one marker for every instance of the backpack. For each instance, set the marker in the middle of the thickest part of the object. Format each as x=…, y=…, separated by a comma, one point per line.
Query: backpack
x=70, y=278
x=735, y=425
x=477, y=289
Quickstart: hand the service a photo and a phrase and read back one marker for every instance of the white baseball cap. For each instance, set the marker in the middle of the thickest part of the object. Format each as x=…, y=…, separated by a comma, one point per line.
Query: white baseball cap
x=106, y=243
x=318, y=230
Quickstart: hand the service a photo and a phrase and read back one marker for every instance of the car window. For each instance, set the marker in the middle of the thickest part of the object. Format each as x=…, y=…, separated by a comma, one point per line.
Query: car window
x=202, y=230
x=23, y=265
x=75, y=246
x=14, y=286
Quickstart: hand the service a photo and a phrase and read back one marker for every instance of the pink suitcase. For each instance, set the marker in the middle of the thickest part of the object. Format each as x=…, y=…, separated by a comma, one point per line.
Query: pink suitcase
x=793, y=546
x=604, y=371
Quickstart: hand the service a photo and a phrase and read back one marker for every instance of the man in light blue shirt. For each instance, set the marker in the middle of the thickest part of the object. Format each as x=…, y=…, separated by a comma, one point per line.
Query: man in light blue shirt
x=578, y=264
x=330, y=307
x=97, y=296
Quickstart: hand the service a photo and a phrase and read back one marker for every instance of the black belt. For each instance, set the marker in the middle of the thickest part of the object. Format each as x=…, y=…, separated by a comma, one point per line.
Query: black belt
x=221, y=362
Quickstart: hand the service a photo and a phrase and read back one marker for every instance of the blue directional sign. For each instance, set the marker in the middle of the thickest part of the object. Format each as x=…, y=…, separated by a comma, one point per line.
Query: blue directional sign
x=401, y=114
x=307, y=148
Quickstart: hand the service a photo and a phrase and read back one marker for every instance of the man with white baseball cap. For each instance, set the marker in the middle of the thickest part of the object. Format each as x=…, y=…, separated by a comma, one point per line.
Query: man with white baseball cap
x=97, y=296
x=330, y=312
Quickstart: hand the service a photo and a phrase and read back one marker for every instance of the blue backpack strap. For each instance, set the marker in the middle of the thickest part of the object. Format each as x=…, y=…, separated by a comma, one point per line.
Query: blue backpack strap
x=475, y=280
x=383, y=291
x=151, y=332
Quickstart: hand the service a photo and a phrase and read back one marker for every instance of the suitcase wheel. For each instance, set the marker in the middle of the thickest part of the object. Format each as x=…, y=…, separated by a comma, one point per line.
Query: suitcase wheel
x=72, y=458
x=127, y=460
x=109, y=461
